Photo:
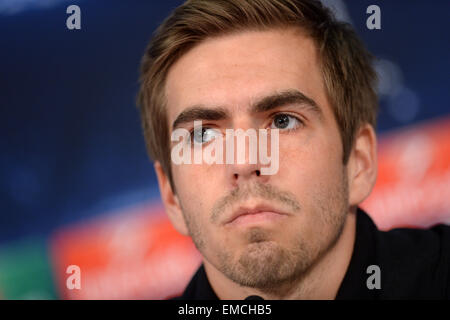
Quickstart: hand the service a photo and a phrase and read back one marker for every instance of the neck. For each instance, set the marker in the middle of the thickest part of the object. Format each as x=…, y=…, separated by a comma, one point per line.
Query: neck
x=321, y=281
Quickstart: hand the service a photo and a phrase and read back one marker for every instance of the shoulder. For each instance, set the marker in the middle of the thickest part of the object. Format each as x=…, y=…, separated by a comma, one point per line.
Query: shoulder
x=415, y=263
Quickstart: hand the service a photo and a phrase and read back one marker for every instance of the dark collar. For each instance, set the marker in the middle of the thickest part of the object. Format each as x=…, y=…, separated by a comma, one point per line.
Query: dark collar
x=354, y=284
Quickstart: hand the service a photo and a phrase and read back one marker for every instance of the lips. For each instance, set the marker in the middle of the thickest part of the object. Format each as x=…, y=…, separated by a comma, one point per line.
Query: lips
x=260, y=212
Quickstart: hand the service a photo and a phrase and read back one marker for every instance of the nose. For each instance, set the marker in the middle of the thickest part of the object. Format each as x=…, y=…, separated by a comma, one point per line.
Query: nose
x=247, y=170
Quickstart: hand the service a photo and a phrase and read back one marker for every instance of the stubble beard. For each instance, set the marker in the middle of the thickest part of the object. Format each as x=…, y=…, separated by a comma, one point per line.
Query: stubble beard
x=265, y=264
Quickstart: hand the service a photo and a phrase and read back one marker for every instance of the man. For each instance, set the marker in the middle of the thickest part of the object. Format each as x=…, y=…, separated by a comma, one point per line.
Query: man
x=284, y=66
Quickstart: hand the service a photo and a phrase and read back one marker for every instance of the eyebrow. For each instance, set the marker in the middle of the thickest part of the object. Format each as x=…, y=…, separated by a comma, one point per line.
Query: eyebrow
x=276, y=100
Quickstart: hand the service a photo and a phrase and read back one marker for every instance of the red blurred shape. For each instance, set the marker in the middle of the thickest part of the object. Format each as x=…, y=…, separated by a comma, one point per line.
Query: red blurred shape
x=413, y=186
x=135, y=254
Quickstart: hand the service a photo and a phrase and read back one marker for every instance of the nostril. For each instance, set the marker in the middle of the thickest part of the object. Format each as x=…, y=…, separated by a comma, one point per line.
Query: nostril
x=236, y=175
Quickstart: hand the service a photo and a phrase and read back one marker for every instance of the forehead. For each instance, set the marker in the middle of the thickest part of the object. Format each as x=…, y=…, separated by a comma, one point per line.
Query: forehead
x=234, y=70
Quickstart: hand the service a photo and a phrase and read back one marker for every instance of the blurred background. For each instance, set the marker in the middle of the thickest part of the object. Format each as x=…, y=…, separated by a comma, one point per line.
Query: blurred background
x=76, y=185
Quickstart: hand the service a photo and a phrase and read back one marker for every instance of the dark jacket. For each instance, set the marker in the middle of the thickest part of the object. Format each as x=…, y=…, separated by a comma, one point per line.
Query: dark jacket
x=414, y=264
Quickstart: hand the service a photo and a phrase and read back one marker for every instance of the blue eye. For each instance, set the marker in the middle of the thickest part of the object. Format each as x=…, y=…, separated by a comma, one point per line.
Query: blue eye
x=284, y=122
x=202, y=135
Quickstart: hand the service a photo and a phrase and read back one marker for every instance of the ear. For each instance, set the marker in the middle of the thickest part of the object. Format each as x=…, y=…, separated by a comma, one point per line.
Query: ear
x=170, y=201
x=362, y=165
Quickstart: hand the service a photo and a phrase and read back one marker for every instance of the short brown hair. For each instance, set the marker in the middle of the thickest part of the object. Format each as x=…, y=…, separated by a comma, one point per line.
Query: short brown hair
x=346, y=65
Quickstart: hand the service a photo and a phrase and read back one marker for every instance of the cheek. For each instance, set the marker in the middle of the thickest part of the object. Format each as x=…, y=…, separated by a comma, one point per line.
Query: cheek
x=194, y=190
x=310, y=153
x=309, y=165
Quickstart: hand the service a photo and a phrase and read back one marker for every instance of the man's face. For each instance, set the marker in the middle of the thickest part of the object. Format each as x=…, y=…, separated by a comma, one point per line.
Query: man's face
x=305, y=203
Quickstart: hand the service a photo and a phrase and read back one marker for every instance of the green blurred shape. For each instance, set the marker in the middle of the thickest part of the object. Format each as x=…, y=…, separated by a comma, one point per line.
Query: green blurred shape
x=25, y=271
